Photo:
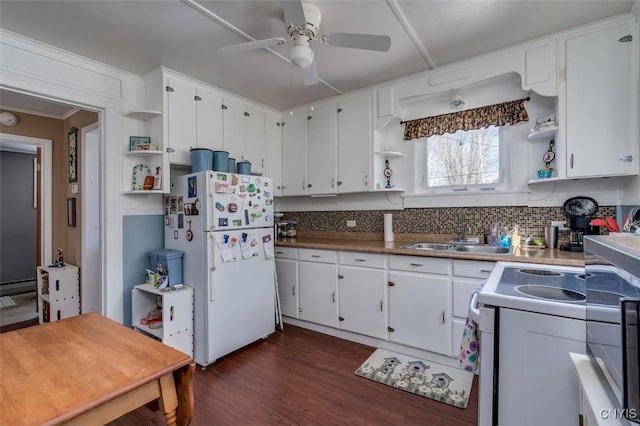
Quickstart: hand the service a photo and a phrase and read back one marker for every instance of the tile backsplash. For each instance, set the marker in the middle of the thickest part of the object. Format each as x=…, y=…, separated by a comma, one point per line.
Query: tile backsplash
x=530, y=220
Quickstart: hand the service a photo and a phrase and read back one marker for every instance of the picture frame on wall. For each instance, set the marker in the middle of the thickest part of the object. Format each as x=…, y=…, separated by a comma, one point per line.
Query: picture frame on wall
x=140, y=143
x=72, y=140
x=71, y=211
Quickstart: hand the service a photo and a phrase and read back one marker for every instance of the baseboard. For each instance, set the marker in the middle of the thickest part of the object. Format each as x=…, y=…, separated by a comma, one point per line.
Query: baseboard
x=17, y=287
x=373, y=342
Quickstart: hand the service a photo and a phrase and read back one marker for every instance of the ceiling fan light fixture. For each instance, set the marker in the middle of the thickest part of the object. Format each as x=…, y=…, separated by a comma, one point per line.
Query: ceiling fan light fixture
x=301, y=56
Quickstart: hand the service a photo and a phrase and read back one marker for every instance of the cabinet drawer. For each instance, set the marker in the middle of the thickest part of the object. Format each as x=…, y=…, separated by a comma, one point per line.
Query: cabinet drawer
x=286, y=252
x=323, y=256
x=368, y=260
x=472, y=268
x=420, y=264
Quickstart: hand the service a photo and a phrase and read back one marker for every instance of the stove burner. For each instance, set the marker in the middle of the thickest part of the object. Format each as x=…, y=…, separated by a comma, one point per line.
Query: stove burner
x=599, y=297
x=550, y=293
x=540, y=272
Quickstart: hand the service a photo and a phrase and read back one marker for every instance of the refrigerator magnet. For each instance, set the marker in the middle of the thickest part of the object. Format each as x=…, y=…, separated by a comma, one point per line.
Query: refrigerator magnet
x=180, y=221
x=233, y=207
x=222, y=187
x=175, y=235
x=219, y=206
x=234, y=180
x=189, y=233
x=192, y=183
x=258, y=181
x=237, y=222
x=223, y=221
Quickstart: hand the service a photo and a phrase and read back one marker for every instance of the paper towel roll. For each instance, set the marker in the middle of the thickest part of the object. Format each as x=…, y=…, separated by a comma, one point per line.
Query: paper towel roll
x=388, y=227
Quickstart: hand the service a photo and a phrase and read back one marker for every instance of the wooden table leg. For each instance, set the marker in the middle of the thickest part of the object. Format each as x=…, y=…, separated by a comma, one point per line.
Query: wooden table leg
x=184, y=385
x=169, y=399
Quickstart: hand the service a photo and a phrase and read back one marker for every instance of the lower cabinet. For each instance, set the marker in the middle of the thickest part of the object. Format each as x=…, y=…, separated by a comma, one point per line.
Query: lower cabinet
x=318, y=283
x=287, y=274
x=361, y=296
x=418, y=311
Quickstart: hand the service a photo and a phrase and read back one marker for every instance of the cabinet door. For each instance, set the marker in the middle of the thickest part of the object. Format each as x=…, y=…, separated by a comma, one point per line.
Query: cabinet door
x=322, y=149
x=361, y=299
x=294, y=153
x=209, y=119
x=354, y=142
x=318, y=298
x=418, y=311
x=601, y=103
x=273, y=162
x=256, y=140
x=287, y=273
x=537, y=382
x=234, y=128
x=181, y=119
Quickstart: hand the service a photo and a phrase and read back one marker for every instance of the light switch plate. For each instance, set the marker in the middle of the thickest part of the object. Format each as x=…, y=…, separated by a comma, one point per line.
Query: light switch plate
x=74, y=188
x=351, y=223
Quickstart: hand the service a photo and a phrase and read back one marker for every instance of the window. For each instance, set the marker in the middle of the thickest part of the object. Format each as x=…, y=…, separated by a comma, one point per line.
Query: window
x=463, y=160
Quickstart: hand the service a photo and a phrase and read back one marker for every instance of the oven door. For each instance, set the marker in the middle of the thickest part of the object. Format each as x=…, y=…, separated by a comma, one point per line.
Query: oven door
x=631, y=357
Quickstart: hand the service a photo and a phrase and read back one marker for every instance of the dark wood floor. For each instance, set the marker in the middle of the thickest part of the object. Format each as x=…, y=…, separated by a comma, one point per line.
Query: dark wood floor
x=300, y=377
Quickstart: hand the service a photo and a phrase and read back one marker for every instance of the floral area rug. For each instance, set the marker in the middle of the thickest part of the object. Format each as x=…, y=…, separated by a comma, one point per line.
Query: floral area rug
x=425, y=378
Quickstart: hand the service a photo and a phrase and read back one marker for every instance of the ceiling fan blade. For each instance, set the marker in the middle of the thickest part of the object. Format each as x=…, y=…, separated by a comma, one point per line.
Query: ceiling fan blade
x=252, y=45
x=310, y=74
x=294, y=12
x=380, y=43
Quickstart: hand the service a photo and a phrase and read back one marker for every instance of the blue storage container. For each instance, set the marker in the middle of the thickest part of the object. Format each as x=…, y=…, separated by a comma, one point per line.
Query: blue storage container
x=170, y=260
x=244, y=167
x=201, y=159
x=220, y=161
x=232, y=165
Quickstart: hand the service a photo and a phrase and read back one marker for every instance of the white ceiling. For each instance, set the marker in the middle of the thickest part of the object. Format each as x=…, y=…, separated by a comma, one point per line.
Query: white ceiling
x=138, y=36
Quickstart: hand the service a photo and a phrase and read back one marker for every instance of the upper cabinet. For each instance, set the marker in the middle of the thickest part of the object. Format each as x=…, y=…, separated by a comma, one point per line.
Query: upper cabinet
x=354, y=143
x=294, y=152
x=234, y=129
x=180, y=119
x=322, y=148
x=273, y=155
x=601, y=101
x=208, y=119
x=244, y=133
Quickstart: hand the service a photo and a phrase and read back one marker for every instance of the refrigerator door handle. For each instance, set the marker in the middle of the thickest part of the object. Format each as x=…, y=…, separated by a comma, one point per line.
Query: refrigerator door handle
x=212, y=296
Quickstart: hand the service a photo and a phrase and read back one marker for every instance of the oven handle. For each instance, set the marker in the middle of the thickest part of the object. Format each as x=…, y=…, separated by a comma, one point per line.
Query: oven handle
x=474, y=310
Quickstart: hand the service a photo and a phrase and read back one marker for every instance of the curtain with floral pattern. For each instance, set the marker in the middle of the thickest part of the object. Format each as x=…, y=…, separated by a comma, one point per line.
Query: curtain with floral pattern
x=511, y=112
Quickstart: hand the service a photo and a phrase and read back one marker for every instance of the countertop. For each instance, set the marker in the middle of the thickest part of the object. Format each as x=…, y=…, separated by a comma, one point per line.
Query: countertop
x=623, y=250
x=374, y=243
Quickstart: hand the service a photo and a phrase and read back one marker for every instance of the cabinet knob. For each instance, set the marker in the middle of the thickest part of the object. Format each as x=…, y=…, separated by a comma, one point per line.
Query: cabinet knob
x=340, y=318
x=170, y=150
x=626, y=39
x=340, y=276
x=626, y=159
x=197, y=98
x=390, y=329
x=168, y=89
x=339, y=110
x=224, y=106
x=339, y=182
x=309, y=185
x=571, y=161
x=391, y=283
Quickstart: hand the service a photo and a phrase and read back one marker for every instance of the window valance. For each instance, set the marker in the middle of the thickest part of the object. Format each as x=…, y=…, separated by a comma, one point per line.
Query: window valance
x=511, y=112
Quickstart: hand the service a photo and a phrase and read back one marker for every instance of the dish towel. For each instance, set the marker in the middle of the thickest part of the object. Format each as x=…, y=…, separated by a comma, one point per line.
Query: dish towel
x=468, y=358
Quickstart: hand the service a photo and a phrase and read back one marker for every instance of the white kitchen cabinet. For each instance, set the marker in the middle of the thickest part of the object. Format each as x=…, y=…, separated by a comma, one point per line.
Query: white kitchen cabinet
x=180, y=119
x=322, y=149
x=58, y=292
x=361, y=295
x=468, y=275
x=354, y=143
x=273, y=156
x=234, y=127
x=287, y=274
x=294, y=153
x=318, y=283
x=537, y=384
x=255, y=144
x=176, y=327
x=208, y=119
x=419, y=303
x=602, y=101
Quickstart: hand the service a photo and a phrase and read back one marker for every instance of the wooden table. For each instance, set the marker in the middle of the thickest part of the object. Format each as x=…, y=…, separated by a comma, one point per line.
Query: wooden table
x=89, y=370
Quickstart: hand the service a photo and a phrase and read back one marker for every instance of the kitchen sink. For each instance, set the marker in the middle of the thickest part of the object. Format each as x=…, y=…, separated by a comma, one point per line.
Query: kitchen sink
x=428, y=246
x=482, y=249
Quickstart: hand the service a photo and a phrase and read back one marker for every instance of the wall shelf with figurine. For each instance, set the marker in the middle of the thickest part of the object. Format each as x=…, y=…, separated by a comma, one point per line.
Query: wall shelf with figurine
x=543, y=133
x=389, y=154
x=143, y=114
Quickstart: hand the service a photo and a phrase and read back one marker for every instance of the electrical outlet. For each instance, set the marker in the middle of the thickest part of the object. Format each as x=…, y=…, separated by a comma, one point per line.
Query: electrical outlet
x=351, y=223
x=561, y=224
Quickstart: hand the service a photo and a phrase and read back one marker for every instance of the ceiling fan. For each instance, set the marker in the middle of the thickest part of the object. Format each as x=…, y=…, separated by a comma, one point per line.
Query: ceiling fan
x=303, y=22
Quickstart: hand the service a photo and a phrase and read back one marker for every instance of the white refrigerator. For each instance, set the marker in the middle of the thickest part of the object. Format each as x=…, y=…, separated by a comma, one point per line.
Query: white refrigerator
x=223, y=222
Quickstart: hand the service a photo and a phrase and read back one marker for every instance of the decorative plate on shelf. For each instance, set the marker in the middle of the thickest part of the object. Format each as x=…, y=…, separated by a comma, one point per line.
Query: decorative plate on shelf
x=140, y=171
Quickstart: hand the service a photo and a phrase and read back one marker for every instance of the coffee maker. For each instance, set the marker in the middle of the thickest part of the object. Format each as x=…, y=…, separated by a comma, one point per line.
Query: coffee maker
x=579, y=212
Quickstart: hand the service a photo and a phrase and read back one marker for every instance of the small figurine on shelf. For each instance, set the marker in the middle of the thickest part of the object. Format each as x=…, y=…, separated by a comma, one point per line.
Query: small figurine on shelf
x=59, y=263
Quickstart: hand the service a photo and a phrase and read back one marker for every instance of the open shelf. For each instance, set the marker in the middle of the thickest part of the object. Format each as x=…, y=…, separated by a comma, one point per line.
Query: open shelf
x=142, y=153
x=389, y=154
x=545, y=180
x=143, y=114
x=150, y=191
x=542, y=134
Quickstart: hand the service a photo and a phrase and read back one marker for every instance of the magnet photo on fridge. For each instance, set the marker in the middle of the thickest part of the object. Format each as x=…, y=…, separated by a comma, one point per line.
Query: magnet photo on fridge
x=193, y=187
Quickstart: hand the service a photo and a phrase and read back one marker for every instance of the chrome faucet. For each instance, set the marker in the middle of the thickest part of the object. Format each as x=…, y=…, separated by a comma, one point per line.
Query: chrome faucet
x=463, y=233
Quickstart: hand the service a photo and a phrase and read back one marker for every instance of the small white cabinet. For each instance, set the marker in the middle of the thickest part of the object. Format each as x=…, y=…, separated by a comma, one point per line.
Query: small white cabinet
x=287, y=275
x=180, y=119
x=58, y=292
x=176, y=328
x=354, y=143
x=273, y=145
x=362, y=301
x=602, y=101
x=322, y=149
x=294, y=153
x=318, y=286
x=419, y=302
